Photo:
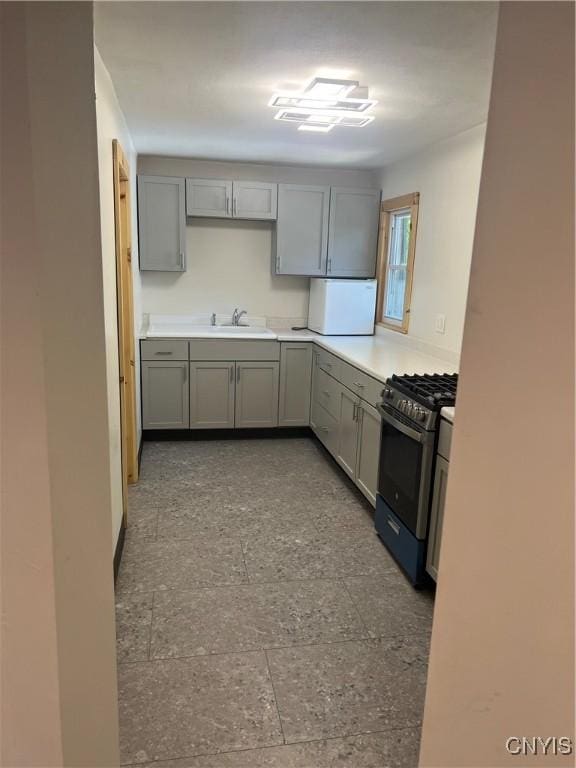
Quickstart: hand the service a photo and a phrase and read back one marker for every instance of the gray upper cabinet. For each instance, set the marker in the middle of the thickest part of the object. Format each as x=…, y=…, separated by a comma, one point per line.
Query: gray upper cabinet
x=302, y=230
x=254, y=200
x=256, y=394
x=165, y=402
x=212, y=395
x=295, y=379
x=353, y=232
x=161, y=223
x=209, y=197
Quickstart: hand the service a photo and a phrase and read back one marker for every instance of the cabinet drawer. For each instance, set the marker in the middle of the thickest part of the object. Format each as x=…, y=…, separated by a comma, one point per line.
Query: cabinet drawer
x=225, y=349
x=325, y=427
x=327, y=392
x=164, y=350
x=360, y=383
x=328, y=362
x=445, y=439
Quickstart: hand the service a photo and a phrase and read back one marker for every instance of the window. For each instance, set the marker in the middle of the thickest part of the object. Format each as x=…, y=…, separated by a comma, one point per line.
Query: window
x=398, y=220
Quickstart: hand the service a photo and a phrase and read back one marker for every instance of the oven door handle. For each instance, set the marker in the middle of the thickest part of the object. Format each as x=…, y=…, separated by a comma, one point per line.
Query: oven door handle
x=401, y=427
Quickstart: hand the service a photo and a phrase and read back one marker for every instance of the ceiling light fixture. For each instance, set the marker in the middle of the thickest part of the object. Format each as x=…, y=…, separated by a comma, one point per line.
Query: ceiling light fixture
x=325, y=117
x=312, y=127
x=324, y=103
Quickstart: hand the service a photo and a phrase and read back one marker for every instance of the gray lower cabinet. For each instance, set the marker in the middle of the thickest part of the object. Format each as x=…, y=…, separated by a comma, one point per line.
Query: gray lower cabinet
x=348, y=432
x=353, y=232
x=212, y=395
x=437, y=516
x=324, y=426
x=256, y=394
x=165, y=402
x=368, y=456
x=295, y=381
x=209, y=197
x=347, y=425
x=161, y=223
x=254, y=200
x=302, y=230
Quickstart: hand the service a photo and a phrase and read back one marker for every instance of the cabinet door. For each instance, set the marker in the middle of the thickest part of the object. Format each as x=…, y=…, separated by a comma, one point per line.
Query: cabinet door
x=302, y=230
x=257, y=394
x=353, y=232
x=348, y=432
x=368, y=456
x=212, y=395
x=209, y=197
x=437, y=516
x=165, y=397
x=254, y=200
x=295, y=380
x=161, y=223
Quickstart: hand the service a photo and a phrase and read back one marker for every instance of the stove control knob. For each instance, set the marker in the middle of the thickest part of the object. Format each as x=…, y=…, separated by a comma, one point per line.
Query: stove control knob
x=409, y=409
x=421, y=414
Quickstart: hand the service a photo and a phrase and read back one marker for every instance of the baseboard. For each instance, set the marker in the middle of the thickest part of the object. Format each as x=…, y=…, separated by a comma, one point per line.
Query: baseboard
x=225, y=434
x=119, y=549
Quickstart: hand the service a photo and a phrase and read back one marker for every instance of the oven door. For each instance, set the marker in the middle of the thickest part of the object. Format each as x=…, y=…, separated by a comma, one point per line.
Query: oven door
x=406, y=458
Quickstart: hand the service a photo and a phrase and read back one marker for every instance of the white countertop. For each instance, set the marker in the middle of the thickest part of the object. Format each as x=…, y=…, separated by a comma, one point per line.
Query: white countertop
x=448, y=414
x=377, y=356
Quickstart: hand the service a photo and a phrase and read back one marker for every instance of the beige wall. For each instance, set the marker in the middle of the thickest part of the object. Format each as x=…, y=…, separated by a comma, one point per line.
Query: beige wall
x=112, y=125
x=502, y=654
x=447, y=175
x=58, y=651
x=230, y=262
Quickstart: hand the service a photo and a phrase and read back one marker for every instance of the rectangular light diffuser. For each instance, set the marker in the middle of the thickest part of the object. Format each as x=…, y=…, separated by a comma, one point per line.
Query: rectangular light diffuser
x=304, y=102
x=323, y=118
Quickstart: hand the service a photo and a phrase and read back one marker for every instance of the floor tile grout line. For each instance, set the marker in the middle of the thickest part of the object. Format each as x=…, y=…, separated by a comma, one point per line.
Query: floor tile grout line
x=244, y=561
x=151, y=629
x=334, y=577
x=275, y=697
x=357, y=610
x=371, y=639
x=391, y=729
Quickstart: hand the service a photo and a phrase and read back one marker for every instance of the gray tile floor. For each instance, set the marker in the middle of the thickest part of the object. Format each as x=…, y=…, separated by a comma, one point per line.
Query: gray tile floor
x=260, y=621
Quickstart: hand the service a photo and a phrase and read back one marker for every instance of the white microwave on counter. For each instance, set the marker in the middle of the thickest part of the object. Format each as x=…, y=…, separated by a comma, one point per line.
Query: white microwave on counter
x=340, y=307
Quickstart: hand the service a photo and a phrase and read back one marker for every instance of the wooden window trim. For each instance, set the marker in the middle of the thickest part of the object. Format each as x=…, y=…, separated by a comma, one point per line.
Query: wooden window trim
x=387, y=207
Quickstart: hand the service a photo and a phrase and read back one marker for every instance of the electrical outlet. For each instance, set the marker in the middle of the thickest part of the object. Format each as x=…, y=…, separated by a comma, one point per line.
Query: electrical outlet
x=440, y=323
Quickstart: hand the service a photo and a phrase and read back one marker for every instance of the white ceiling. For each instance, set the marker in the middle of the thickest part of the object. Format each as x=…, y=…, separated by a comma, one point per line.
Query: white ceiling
x=194, y=78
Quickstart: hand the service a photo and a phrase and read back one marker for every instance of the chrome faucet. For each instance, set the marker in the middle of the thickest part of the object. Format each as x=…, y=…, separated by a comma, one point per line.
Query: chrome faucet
x=236, y=315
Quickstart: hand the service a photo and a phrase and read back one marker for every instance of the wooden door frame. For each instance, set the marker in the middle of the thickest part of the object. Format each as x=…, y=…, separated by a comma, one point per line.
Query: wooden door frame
x=125, y=312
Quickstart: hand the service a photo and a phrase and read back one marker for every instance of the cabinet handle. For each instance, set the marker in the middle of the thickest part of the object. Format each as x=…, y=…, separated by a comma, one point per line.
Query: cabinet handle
x=238, y=373
x=185, y=371
x=232, y=372
x=329, y=265
x=162, y=353
x=227, y=206
x=358, y=384
x=355, y=412
x=324, y=429
x=234, y=206
x=277, y=263
x=182, y=260
x=326, y=393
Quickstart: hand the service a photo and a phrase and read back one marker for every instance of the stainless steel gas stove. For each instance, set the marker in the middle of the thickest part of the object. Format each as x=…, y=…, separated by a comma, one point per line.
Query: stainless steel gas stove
x=410, y=411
